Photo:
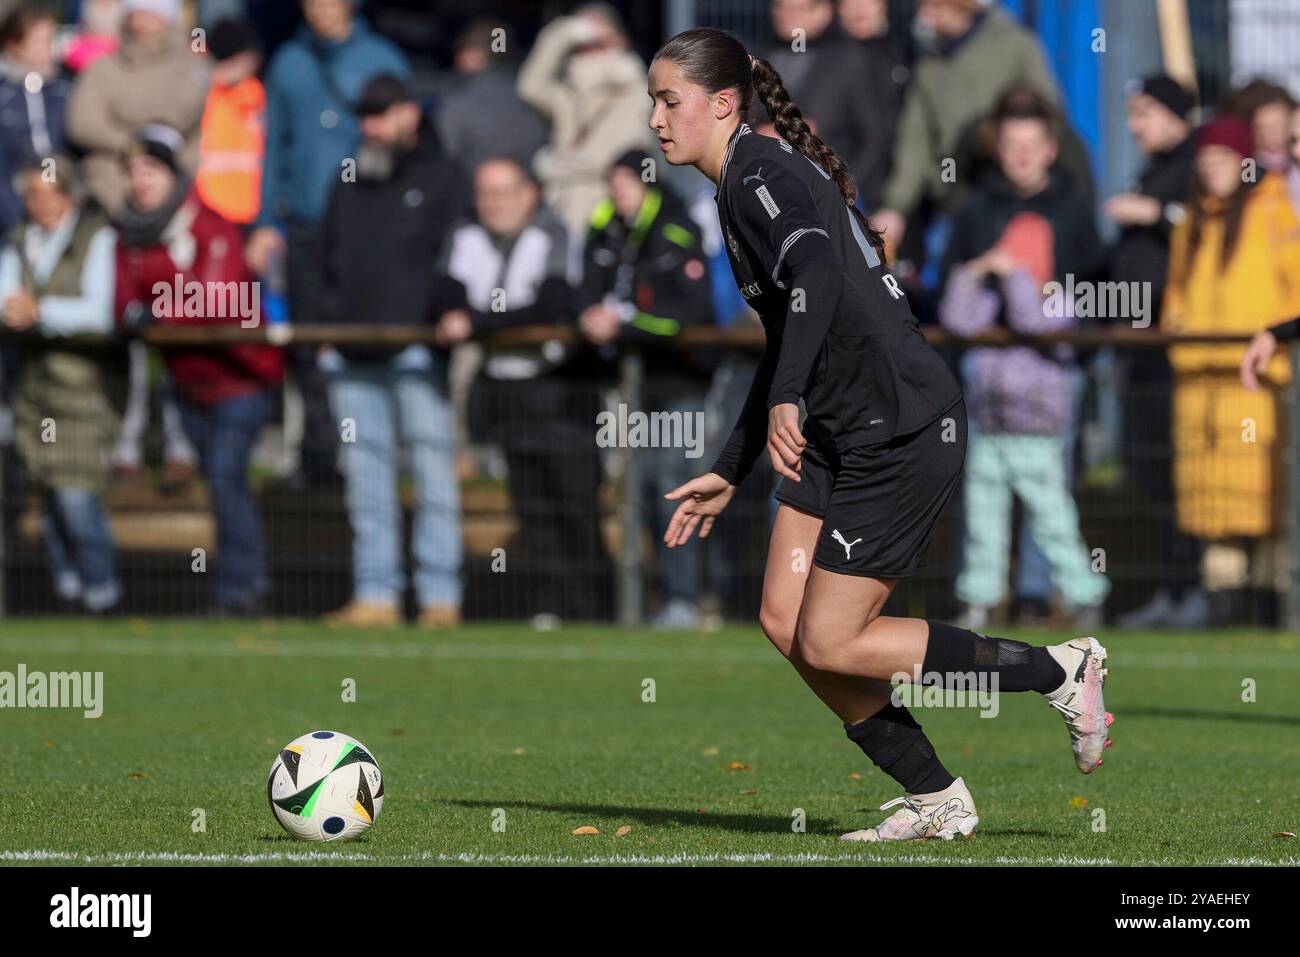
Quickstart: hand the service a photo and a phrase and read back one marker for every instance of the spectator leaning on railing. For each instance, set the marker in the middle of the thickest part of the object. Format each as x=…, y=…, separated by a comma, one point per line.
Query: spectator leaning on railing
x=1023, y=228
x=382, y=235
x=154, y=77
x=645, y=280
x=178, y=262
x=1233, y=267
x=514, y=265
x=56, y=280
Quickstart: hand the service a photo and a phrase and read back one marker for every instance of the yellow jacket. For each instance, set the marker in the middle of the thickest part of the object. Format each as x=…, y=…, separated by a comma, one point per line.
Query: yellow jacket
x=1227, y=477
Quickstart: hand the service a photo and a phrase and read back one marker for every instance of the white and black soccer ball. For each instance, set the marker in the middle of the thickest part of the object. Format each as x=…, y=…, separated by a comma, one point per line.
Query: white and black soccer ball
x=325, y=786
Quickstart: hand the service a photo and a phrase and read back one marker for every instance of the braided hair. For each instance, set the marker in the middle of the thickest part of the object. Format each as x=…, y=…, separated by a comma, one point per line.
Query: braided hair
x=716, y=61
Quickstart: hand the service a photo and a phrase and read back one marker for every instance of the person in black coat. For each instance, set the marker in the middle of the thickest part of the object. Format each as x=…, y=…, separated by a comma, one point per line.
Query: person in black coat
x=884, y=60
x=828, y=75
x=1158, y=110
x=382, y=234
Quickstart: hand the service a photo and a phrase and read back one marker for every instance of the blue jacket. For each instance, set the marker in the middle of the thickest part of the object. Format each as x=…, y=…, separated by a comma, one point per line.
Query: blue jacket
x=18, y=145
x=311, y=86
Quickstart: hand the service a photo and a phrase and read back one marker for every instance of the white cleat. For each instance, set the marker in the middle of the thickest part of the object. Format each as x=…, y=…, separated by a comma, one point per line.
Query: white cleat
x=1079, y=698
x=945, y=814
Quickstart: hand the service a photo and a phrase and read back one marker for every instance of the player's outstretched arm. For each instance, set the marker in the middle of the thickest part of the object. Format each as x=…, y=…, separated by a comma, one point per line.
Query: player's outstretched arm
x=702, y=500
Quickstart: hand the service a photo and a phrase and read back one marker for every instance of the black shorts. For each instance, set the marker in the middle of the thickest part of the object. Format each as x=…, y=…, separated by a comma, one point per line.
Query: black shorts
x=879, y=503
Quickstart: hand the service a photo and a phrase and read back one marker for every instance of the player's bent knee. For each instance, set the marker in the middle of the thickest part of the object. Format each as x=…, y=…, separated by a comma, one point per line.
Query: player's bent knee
x=820, y=643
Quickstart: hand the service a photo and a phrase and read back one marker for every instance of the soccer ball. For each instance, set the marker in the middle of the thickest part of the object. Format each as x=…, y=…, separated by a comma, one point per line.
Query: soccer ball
x=325, y=786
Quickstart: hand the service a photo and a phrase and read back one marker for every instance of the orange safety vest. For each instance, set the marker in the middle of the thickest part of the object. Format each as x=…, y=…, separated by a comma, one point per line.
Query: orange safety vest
x=231, y=149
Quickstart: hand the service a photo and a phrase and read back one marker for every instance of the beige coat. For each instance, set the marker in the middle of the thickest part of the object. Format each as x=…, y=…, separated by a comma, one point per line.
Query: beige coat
x=162, y=82
x=597, y=108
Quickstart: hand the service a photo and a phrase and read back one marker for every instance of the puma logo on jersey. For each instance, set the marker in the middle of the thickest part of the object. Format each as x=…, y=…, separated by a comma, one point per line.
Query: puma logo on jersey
x=848, y=546
x=892, y=285
x=758, y=176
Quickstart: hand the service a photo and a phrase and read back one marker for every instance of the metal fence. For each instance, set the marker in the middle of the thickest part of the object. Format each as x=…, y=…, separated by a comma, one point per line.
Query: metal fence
x=555, y=520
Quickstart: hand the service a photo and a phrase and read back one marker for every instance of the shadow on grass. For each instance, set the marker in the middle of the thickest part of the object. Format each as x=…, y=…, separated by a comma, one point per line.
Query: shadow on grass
x=747, y=823
x=728, y=821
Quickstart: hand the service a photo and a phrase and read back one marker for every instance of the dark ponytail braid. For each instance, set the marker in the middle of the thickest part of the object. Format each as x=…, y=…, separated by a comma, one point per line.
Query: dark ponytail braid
x=794, y=129
x=717, y=61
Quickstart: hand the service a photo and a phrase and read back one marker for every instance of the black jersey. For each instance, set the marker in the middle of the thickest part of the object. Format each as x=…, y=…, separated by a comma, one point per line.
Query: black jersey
x=840, y=334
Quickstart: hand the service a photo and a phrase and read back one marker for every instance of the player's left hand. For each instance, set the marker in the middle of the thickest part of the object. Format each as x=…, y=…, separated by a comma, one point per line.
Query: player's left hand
x=785, y=443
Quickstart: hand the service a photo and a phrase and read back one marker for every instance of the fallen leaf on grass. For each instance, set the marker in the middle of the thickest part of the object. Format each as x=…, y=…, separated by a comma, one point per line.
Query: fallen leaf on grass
x=1284, y=833
x=855, y=776
x=739, y=766
x=1078, y=802
x=585, y=830
x=623, y=831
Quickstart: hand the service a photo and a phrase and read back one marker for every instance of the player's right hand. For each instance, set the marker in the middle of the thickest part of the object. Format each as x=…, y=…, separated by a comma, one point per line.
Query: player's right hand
x=785, y=443
x=702, y=499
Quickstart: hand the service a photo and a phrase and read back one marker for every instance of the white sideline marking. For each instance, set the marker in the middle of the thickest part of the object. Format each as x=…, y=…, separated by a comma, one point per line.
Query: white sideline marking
x=542, y=650
x=429, y=857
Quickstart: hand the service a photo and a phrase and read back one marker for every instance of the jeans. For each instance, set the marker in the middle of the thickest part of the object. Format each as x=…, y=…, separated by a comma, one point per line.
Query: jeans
x=80, y=548
x=379, y=404
x=224, y=433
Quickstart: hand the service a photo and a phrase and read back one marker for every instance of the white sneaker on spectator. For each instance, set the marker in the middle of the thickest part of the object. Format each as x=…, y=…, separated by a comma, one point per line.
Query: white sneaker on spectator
x=973, y=618
x=678, y=615
x=1155, y=613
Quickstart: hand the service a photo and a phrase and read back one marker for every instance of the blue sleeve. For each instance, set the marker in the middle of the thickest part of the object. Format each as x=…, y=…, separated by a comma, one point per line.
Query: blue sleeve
x=277, y=145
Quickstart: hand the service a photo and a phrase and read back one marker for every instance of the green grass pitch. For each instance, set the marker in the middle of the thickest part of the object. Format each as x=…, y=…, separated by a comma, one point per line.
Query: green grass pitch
x=545, y=733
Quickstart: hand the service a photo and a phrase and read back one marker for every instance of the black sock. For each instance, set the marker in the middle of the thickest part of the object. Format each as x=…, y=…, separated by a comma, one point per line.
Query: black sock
x=953, y=652
x=894, y=742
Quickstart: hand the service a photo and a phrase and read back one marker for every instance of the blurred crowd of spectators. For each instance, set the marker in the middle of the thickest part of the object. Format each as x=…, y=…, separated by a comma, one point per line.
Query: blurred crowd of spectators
x=151, y=174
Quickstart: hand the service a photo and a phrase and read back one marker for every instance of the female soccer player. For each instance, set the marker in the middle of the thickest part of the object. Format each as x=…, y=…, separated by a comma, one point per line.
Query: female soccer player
x=879, y=453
